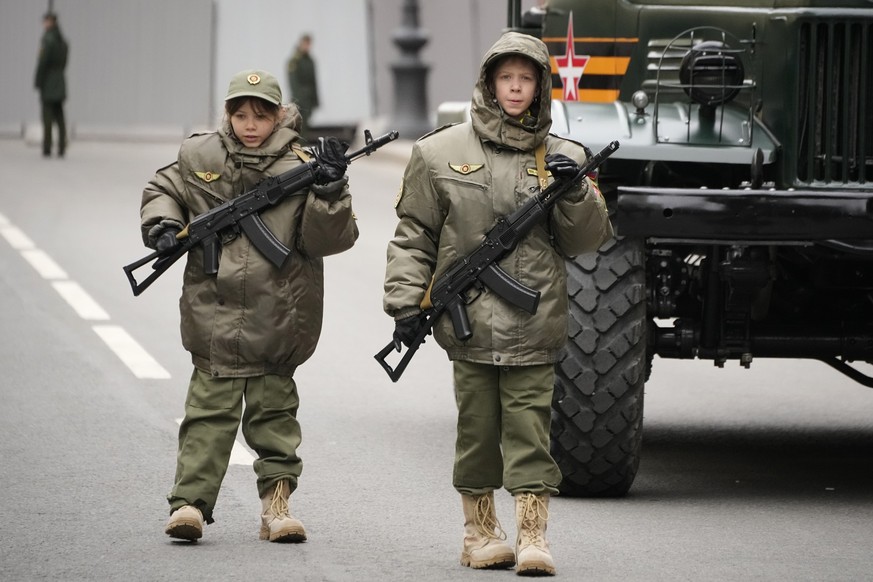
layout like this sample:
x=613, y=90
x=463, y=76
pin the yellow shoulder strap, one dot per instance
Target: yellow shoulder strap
x=301, y=153
x=540, y=155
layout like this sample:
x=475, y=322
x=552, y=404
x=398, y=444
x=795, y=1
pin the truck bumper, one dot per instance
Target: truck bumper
x=745, y=215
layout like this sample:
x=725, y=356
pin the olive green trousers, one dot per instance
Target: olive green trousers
x=213, y=410
x=504, y=417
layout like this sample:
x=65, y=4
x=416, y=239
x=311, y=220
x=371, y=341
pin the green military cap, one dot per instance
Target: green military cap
x=255, y=84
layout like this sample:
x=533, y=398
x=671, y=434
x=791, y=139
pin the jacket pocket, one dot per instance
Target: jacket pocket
x=205, y=198
x=448, y=185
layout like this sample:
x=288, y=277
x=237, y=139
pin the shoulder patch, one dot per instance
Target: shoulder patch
x=533, y=172
x=399, y=194
x=465, y=168
x=208, y=176
x=439, y=129
x=301, y=153
x=578, y=143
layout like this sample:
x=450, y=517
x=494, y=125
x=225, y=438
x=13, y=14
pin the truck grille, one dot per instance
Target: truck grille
x=835, y=94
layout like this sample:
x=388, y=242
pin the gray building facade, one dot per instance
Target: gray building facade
x=158, y=69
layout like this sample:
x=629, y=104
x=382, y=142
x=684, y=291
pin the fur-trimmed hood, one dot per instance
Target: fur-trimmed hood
x=489, y=120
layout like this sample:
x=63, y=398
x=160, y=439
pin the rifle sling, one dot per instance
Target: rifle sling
x=542, y=174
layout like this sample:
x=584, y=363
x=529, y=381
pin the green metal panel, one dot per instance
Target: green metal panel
x=809, y=78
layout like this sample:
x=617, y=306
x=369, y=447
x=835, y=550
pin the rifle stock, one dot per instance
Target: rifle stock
x=480, y=268
x=397, y=371
x=163, y=262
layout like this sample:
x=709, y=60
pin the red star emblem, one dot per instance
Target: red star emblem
x=571, y=67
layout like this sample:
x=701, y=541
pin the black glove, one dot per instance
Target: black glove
x=406, y=329
x=331, y=155
x=167, y=239
x=561, y=166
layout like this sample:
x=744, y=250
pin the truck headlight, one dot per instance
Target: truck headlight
x=711, y=73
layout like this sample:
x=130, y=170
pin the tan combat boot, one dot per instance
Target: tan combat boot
x=277, y=525
x=483, y=537
x=531, y=548
x=186, y=523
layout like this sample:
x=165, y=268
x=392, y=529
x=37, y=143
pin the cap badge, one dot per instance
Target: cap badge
x=253, y=79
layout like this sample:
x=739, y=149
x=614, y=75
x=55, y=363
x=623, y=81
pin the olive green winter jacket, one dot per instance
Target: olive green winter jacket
x=458, y=181
x=252, y=318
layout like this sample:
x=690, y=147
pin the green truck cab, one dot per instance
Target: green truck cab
x=742, y=197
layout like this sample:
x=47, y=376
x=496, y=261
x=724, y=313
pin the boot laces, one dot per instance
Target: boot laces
x=534, y=513
x=486, y=521
x=279, y=502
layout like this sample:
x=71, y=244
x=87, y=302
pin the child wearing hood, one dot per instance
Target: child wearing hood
x=459, y=180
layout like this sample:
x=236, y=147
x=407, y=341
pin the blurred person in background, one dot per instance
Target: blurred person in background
x=51, y=83
x=303, y=81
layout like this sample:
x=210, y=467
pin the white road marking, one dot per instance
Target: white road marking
x=79, y=300
x=119, y=341
x=239, y=455
x=131, y=353
x=44, y=264
x=15, y=237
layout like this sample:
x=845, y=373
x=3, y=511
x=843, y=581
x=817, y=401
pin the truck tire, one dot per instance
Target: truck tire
x=597, y=411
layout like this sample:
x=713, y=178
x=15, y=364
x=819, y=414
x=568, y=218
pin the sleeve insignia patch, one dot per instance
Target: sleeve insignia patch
x=592, y=182
x=598, y=195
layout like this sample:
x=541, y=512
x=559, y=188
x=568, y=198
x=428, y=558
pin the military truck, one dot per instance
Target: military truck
x=742, y=198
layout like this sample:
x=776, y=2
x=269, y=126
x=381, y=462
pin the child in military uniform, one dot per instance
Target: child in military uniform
x=249, y=326
x=458, y=181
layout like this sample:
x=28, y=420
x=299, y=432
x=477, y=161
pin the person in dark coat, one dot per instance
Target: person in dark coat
x=51, y=84
x=304, y=85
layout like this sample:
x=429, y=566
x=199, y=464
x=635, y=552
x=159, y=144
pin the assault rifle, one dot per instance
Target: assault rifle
x=479, y=268
x=243, y=213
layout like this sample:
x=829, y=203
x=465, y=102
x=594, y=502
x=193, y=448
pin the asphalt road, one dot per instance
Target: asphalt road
x=760, y=474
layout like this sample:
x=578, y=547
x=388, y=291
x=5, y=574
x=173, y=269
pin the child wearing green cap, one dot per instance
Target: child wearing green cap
x=249, y=326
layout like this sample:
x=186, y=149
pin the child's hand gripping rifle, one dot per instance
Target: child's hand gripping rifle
x=449, y=293
x=243, y=213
